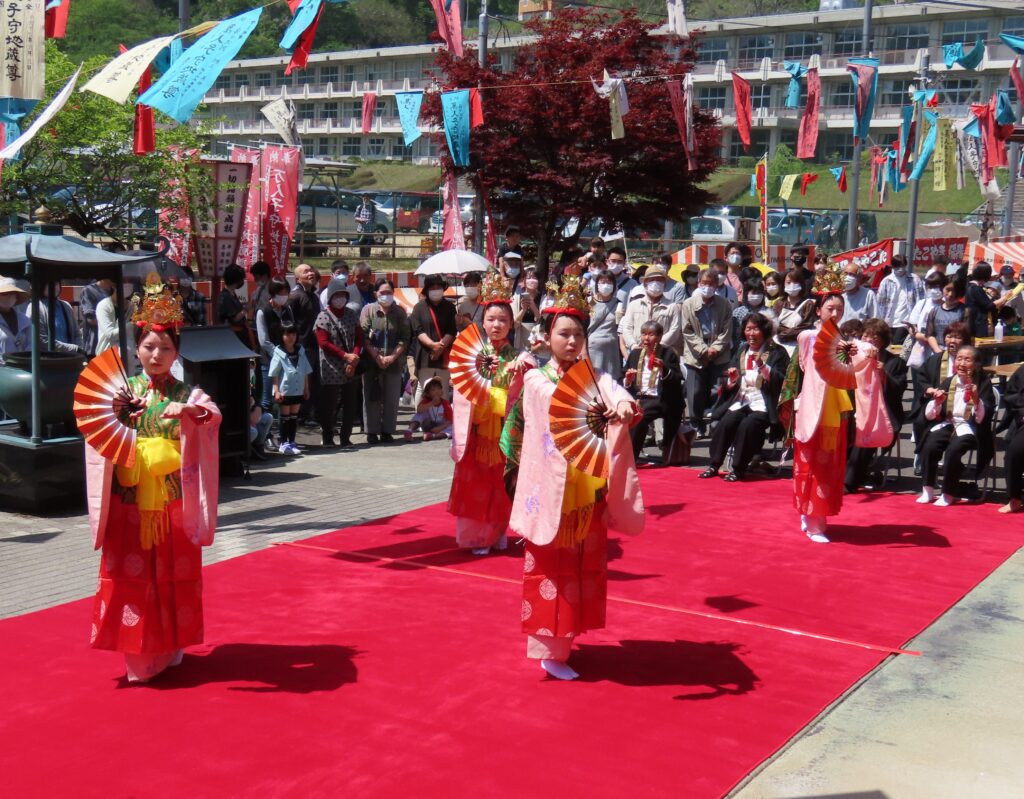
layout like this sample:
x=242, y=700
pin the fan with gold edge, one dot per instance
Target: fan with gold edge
x=832, y=364
x=577, y=421
x=468, y=364
x=102, y=397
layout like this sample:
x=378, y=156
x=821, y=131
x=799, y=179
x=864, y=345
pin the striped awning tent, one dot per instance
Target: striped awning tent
x=999, y=252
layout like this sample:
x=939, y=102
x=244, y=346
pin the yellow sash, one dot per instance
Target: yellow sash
x=577, y=506
x=837, y=402
x=155, y=458
x=488, y=420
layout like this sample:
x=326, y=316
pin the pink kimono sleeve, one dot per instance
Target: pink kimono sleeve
x=200, y=470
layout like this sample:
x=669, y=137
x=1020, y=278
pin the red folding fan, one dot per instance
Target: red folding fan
x=577, y=420
x=832, y=364
x=101, y=398
x=468, y=364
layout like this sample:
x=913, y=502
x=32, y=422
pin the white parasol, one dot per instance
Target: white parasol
x=453, y=262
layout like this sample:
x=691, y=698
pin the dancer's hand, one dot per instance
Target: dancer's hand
x=623, y=412
x=179, y=410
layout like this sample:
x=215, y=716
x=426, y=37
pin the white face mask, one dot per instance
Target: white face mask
x=512, y=271
x=435, y=295
x=654, y=288
x=472, y=292
x=616, y=268
x=793, y=288
x=337, y=303
x=280, y=299
x=385, y=299
x=771, y=290
x=935, y=294
x=185, y=282
x=735, y=258
x=341, y=280
x=900, y=272
x=532, y=283
x=849, y=283
x=755, y=299
x=707, y=291
x=605, y=289
x=721, y=280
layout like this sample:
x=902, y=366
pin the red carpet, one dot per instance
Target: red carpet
x=341, y=672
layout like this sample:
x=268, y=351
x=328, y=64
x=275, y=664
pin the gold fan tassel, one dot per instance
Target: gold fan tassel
x=578, y=503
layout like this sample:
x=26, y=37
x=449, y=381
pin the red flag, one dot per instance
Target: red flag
x=449, y=24
x=807, y=180
x=57, y=20
x=476, y=108
x=680, y=100
x=454, y=235
x=807, y=141
x=145, y=125
x=249, y=243
x=1018, y=81
x=492, y=237
x=842, y=180
x=369, y=109
x=300, y=55
x=281, y=172
x=744, y=110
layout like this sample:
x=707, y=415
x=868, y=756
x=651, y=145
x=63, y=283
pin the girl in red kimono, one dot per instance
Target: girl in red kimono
x=478, y=499
x=152, y=518
x=563, y=513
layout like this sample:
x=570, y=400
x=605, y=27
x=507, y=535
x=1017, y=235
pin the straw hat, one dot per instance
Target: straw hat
x=655, y=272
x=8, y=285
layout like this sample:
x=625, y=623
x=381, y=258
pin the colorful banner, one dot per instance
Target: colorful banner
x=928, y=146
x=184, y=85
x=864, y=74
x=454, y=235
x=796, y=71
x=409, y=114
x=872, y=257
x=24, y=71
x=42, y=120
x=249, y=241
x=117, y=80
x=12, y=111
x=455, y=106
x=945, y=155
x=839, y=173
x=744, y=110
x=174, y=223
x=786, y=188
x=807, y=138
x=761, y=176
x=304, y=14
x=369, y=109
x=281, y=176
x=280, y=113
x=217, y=236
x=449, y=24
x=57, y=18
x=948, y=250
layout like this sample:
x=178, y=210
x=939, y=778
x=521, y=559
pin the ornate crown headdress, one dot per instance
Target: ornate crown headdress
x=494, y=288
x=570, y=299
x=828, y=279
x=158, y=309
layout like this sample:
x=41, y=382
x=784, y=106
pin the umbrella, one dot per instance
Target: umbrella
x=453, y=262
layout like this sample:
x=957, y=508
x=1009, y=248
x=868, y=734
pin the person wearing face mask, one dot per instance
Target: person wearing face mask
x=193, y=304
x=690, y=277
x=898, y=293
x=67, y=337
x=526, y=307
x=340, y=343
x=774, y=296
x=797, y=312
x=706, y=330
x=675, y=291
x=720, y=268
x=511, y=267
x=15, y=326
x=624, y=283
x=469, y=311
x=651, y=307
x=386, y=336
x=753, y=302
x=434, y=329
x=339, y=276
x=275, y=313
x=858, y=300
x=230, y=310
x=603, y=330
x=951, y=309
x=737, y=256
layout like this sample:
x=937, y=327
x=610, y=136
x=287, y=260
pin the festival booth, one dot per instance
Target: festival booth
x=999, y=252
x=41, y=455
x=703, y=254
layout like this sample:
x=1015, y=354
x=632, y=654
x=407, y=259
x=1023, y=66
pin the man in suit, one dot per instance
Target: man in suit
x=706, y=328
x=654, y=378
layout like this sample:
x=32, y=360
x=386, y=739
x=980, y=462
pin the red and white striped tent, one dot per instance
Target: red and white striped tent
x=999, y=252
x=778, y=254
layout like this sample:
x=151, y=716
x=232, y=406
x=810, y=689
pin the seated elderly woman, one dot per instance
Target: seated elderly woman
x=654, y=378
x=894, y=369
x=750, y=402
x=937, y=368
x=960, y=418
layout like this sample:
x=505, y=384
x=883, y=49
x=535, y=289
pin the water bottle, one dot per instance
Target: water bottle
x=999, y=330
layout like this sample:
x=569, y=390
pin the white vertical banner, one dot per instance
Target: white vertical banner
x=23, y=23
x=281, y=114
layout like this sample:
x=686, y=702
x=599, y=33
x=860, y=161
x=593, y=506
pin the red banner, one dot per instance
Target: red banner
x=249, y=244
x=174, y=223
x=217, y=236
x=807, y=138
x=744, y=111
x=281, y=173
x=872, y=257
x=928, y=251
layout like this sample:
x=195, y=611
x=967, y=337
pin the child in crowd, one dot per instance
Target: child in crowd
x=433, y=414
x=289, y=371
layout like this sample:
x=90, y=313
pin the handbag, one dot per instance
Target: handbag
x=677, y=453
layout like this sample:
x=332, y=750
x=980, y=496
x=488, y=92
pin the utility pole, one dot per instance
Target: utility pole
x=183, y=15
x=478, y=218
x=915, y=184
x=852, y=219
x=1011, y=189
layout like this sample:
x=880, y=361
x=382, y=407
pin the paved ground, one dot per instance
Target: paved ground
x=944, y=725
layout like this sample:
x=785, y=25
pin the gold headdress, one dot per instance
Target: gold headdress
x=158, y=309
x=570, y=299
x=494, y=288
x=828, y=279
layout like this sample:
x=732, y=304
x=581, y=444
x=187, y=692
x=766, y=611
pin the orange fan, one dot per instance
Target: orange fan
x=470, y=372
x=101, y=395
x=577, y=420
x=833, y=365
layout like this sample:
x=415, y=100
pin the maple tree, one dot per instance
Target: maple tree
x=544, y=153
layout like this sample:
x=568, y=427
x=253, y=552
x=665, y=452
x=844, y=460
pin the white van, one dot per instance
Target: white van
x=329, y=215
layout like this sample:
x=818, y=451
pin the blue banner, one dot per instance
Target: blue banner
x=303, y=17
x=12, y=111
x=182, y=87
x=166, y=57
x=908, y=120
x=796, y=71
x=1015, y=43
x=409, y=114
x=973, y=58
x=928, y=147
x=862, y=121
x=456, y=124
x=1004, y=108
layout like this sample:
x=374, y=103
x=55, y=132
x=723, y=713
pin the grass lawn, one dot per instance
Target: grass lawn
x=395, y=176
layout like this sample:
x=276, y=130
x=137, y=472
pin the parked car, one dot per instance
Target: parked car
x=410, y=211
x=328, y=215
x=722, y=229
x=793, y=227
x=465, y=211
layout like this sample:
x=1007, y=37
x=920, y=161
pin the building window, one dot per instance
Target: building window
x=905, y=37
x=1013, y=26
x=350, y=145
x=241, y=79
x=223, y=82
x=307, y=77
x=895, y=92
x=712, y=51
x=348, y=74
x=399, y=150
x=375, y=147
x=711, y=97
x=329, y=112
x=264, y=80
x=848, y=42
x=754, y=48
x=961, y=91
x=802, y=45
x=964, y=30
x=306, y=112
x=284, y=80
x=413, y=70
x=842, y=94
x=308, y=146
x=328, y=74
x=761, y=95
x=759, y=140
x=382, y=105
x=323, y=147
x=836, y=146
x=353, y=110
